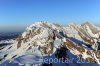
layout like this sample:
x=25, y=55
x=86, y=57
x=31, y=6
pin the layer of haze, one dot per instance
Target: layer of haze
x=17, y=14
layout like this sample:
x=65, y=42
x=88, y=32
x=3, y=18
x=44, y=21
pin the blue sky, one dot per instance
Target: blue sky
x=20, y=13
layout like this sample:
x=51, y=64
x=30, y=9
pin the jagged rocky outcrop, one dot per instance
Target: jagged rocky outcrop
x=81, y=40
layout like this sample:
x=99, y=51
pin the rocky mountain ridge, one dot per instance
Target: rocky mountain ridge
x=81, y=40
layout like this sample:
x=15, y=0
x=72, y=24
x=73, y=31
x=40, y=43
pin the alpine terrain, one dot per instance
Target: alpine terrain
x=48, y=44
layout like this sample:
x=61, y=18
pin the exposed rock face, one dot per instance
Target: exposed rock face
x=45, y=36
x=90, y=55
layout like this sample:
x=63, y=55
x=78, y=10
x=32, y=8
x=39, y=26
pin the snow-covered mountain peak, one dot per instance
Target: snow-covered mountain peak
x=42, y=24
x=45, y=38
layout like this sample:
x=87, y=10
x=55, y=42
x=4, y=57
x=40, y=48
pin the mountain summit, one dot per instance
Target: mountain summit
x=43, y=39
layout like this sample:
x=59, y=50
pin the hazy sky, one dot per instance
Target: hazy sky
x=19, y=13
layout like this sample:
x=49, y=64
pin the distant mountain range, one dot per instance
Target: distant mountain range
x=9, y=35
x=80, y=42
